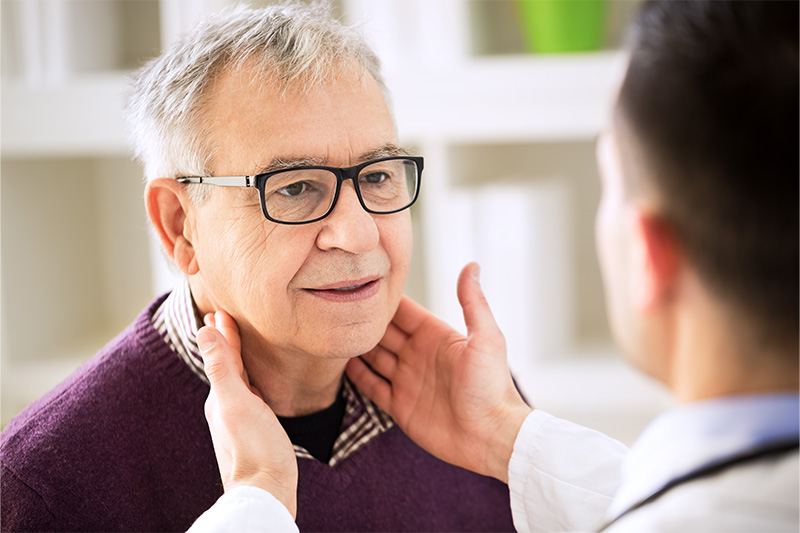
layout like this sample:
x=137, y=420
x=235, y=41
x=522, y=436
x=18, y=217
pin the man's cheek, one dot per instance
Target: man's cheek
x=398, y=242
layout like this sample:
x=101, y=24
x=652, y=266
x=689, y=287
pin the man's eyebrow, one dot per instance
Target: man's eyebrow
x=283, y=163
x=389, y=150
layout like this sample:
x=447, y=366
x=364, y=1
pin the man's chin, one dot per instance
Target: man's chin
x=354, y=344
x=348, y=352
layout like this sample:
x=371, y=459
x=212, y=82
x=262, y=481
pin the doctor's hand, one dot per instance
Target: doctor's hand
x=452, y=395
x=250, y=444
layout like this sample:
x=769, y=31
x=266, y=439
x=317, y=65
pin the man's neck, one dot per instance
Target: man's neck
x=292, y=384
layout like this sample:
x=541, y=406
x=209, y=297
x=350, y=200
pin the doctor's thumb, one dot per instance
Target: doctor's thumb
x=477, y=314
x=217, y=365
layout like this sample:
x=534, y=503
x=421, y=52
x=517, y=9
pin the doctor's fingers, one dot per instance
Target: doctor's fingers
x=410, y=316
x=394, y=339
x=375, y=387
x=226, y=325
x=382, y=361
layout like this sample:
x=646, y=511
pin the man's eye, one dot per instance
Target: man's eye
x=374, y=178
x=294, y=189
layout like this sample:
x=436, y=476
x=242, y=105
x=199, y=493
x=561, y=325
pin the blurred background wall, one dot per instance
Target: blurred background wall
x=505, y=118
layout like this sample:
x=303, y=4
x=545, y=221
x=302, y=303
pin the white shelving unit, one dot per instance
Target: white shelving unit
x=76, y=251
x=509, y=181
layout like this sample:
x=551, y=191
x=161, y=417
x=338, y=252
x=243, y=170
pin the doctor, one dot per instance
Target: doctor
x=697, y=236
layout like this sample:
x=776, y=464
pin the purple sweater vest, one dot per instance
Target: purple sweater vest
x=122, y=445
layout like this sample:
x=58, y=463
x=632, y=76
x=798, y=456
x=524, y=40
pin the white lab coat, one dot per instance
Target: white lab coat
x=562, y=476
x=565, y=477
x=245, y=509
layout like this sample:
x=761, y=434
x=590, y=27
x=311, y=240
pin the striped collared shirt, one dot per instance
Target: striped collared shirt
x=177, y=320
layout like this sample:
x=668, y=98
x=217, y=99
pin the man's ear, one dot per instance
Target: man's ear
x=168, y=206
x=656, y=256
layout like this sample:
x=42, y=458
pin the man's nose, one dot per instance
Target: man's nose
x=348, y=227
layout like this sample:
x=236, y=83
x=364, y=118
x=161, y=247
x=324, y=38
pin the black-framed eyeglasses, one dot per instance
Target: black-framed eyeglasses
x=302, y=195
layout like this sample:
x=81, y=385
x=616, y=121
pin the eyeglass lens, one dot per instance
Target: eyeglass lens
x=307, y=194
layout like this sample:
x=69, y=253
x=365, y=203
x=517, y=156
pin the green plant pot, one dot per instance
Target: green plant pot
x=555, y=26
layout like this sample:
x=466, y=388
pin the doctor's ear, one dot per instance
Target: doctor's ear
x=656, y=256
x=168, y=206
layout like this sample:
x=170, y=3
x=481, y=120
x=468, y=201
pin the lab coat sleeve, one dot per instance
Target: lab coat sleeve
x=245, y=509
x=562, y=476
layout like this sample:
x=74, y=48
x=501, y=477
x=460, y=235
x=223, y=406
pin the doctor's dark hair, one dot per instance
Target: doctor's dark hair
x=296, y=43
x=710, y=100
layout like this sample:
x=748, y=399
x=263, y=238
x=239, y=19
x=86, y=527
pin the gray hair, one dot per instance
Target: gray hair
x=298, y=44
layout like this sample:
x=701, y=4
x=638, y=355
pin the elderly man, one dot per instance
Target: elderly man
x=277, y=186
x=698, y=243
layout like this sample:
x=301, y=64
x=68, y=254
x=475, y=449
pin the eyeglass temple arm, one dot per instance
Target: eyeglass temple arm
x=221, y=181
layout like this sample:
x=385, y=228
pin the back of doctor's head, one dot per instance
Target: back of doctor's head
x=709, y=104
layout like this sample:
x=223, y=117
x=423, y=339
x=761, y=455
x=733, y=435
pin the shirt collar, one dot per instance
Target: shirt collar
x=178, y=320
x=689, y=437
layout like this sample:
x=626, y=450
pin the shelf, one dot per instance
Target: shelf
x=504, y=99
x=510, y=98
x=45, y=41
x=80, y=117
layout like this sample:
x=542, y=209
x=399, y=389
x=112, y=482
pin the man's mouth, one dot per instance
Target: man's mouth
x=354, y=287
x=348, y=291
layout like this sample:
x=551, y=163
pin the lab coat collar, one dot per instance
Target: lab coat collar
x=695, y=435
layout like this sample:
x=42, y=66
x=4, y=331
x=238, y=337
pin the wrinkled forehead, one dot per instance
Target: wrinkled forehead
x=252, y=120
